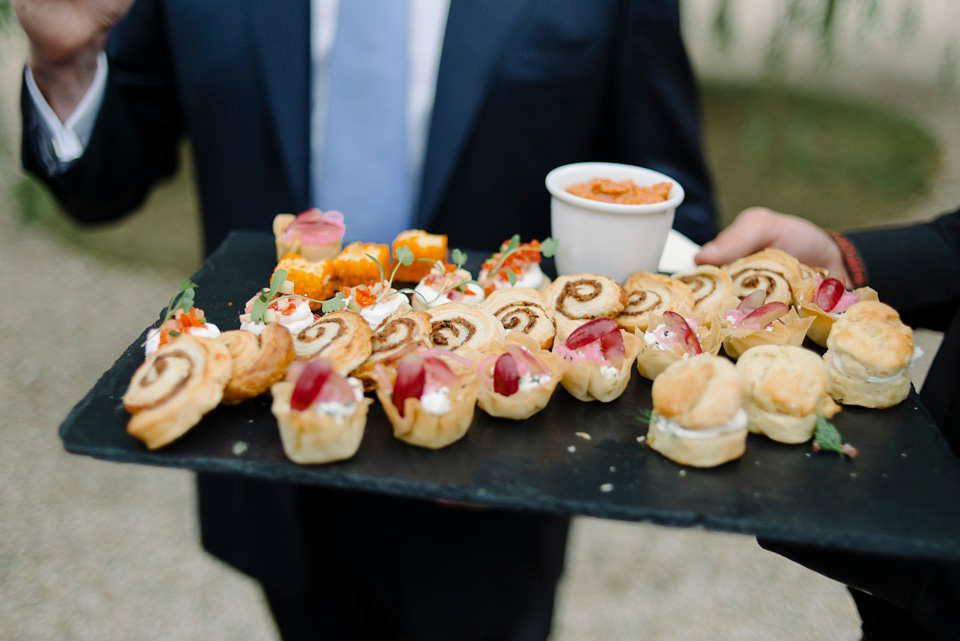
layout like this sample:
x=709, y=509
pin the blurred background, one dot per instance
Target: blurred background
x=846, y=112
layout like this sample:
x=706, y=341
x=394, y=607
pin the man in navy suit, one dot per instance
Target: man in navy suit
x=521, y=86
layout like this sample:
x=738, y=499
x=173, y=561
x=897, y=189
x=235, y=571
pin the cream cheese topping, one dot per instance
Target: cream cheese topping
x=735, y=424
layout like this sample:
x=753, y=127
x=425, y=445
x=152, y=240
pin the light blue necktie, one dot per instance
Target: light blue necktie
x=365, y=173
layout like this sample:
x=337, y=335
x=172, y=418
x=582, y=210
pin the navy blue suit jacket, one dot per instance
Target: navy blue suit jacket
x=523, y=86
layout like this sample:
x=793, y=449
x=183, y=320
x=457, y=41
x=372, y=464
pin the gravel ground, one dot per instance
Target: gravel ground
x=95, y=550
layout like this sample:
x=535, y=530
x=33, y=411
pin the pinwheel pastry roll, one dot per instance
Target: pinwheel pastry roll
x=868, y=357
x=522, y=309
x=712, y=289
x=174, y=387
x=426, y=402
x=316, y=235
x=784, y=391
x=671, y=337
x=466, y=330
x=397, y=335
x=756, y=322
x=257, y=361
x=825, y=299
x=343, y=337
x=648, y=293
x=601, y=357
x=518, y=381
x=697, y=419
x=575, y=299
x=774, y=271
x=321, y=414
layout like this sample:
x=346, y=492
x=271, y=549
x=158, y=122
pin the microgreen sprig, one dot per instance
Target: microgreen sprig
x=827, y=437
x=266, y=296
x=183, y=299
x=548, y=248
x=404, y=257
x=644, y=415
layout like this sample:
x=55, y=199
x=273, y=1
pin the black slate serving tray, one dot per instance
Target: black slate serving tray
x=898, y=496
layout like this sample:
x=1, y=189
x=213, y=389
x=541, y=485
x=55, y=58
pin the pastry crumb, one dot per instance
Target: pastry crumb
x=571, y=448
x=239, y=448
x=683, y=472
x=584, y=436
x=606, y=487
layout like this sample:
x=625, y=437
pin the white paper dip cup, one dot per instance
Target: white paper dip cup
x=608, y=239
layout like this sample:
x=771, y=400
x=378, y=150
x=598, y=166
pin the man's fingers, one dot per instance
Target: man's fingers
x=752, y=230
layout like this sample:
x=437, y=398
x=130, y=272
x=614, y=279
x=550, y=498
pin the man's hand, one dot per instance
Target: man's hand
x=65, y=37
x=757, y=228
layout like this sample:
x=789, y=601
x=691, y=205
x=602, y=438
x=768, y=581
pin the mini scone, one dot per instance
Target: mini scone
x=522, y=309
x=445, y=283
x=601, y=356
x=321, y=415
x=712, y=289
x=774, y=271
x=575, y=299
x=667, y=341
x=755, y=322
x=697, y=419
x=519, y=381
x=825, y=299
x=258, y=361
x=174, y=387
x=342, y=337
x=648, y=293
x=466, y=330
x=426, y=402
x=784, y=391
x=313, y=234
x=397, y=335
x=868, y=356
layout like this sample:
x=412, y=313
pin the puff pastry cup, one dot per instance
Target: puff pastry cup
x=772, y=270
x=343, y=337
x=712, y=289
x=442, y=412
x=257, y=361
x=314, y=234
x=697, y=419
x=326, y=430
x=469, y=331
x=868, y=356
x=661, y=348
x=823, y=320
x=535, y=383
x=523, y=309
x=787, y=330
x=575, y=299
x=648, y=293
x=784, y=390
x=174, y=387
x=592, y=376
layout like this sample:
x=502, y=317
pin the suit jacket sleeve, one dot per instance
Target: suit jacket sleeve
x=135, y=137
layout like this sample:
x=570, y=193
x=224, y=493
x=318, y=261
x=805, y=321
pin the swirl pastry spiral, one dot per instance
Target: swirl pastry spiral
x=175, y=387
x=344, y=337
x=522, y=309
x=398, y=334
x=772, y=270
x=712, y=289
x=577, y=298
x=648, y=293
x=257, y=361
x=468, y=330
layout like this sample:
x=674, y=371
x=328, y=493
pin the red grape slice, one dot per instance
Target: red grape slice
x=439, y=371
x=309, y=384
x=828, y=294
x=688, y=338
x=336, y=390
x=752, y=301
x=411, y=379
x=765, y=315
x=523, y=356
x=591, y=331
x=506, y=380
x=611, y=346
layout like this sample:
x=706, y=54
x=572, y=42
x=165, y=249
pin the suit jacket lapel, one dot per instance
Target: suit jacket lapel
x=281, y=33
x=474, y=35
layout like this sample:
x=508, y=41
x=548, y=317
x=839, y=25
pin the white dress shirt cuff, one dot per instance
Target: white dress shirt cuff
x=70, y=138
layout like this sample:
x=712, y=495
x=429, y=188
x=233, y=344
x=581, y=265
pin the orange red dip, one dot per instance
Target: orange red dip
x=625, y=192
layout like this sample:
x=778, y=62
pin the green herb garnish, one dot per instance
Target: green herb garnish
x=183, y=299
x=645, y=415
x=458, y=257
x=827, y=437
x=334, y=304
x=266, y=296
x=548, y=247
